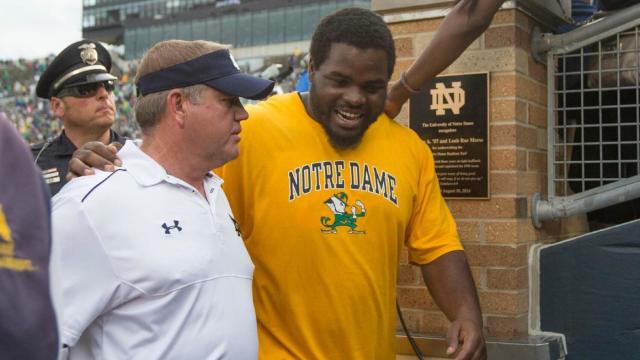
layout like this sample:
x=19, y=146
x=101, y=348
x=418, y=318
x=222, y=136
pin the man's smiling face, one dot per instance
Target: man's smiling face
x=348, y=91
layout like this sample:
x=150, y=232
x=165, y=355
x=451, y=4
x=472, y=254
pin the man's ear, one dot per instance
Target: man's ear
x=311, y=69
x=177, y=106
x=57, y=106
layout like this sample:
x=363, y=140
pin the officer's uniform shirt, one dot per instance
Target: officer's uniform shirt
x=53, y=159
x=149, y=269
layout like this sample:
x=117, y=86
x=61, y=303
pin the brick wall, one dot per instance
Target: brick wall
x=496, y=233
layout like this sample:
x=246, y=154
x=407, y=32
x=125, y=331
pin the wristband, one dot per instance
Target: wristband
x=403, y=81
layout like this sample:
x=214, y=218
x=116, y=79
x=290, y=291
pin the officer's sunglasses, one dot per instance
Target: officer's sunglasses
x=87, y=90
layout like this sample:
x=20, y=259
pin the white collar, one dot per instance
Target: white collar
x=147, y=172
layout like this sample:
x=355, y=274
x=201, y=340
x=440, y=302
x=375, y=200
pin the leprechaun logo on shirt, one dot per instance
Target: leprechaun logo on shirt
x=343, y=214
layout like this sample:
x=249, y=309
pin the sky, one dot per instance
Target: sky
x=36, y=28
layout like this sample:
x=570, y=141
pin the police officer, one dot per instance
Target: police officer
x=79, y=88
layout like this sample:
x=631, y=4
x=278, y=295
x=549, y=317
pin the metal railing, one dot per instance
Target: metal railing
x=593, y=115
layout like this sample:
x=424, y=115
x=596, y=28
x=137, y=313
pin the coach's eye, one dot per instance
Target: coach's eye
x=229, y=102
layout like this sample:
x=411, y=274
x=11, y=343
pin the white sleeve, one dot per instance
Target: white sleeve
x=85, y=280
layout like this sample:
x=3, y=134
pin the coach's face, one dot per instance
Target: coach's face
x=348, y=91
x=214, y=126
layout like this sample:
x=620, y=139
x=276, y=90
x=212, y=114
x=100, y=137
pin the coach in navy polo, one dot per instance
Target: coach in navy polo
x=152, y=265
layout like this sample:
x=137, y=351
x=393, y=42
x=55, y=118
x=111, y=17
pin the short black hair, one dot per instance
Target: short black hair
x=356, y=27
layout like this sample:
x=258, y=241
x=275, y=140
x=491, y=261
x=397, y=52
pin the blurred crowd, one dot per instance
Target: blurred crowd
x=32, y=116
x=35, y=121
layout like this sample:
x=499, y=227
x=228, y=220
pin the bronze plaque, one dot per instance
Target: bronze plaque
x=451, y=114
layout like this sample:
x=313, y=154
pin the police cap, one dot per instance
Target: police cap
x=83, y=62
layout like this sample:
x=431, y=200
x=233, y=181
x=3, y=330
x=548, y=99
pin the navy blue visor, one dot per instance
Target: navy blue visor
x=216, y=69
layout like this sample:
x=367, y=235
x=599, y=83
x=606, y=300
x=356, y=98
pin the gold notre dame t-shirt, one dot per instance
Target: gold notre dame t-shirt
x=325, y=229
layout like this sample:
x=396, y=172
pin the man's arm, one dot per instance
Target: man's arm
x=464, y=23
x=94, y=154
x=85, y=295
x=451, y=286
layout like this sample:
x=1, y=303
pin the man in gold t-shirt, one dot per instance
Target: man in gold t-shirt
x=327, y=191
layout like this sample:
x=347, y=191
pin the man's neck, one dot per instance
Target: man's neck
x=162, y=149
x=306, y=101
x=79, y=138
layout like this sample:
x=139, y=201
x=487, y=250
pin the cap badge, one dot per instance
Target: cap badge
x=89, y=55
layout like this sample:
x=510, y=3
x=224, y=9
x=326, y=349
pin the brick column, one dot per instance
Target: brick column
x=496, y=233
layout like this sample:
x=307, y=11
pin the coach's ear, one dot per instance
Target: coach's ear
x=177, y=107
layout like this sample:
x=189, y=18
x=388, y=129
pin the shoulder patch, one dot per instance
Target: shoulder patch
x=51, y=176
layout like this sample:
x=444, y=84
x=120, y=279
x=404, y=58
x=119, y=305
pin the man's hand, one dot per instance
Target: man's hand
x=466, y=341
x=94, y=154
x=451, y=286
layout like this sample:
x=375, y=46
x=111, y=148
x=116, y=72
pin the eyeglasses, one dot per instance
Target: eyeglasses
x=87, y=90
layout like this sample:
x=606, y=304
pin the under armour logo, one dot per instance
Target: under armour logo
x=235, y=223
x=443, y=98
x=167, y=228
